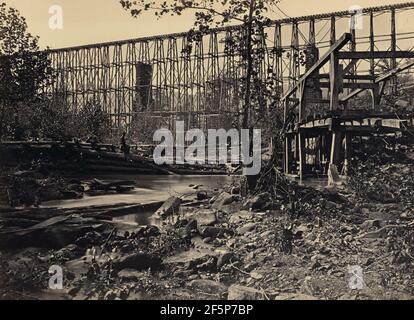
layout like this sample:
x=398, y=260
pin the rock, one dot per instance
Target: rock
x=68, y=194
x=202, y=195
x=169, y=207
x=380, y=233
x=138, y=261
x=110, y=295
x=370, y=224
x=237, y=292
x=266, y=234
x=231, y=243
x=204, y=217
x=49, y=194
x=222, y=200
x=316, y=265
x=213, y=232
x=256, y=275
x=76, y=187
x=146, y=231
x=333, y=175
x=190, y=229
x=129, y=274
x=257, y=202
x=208, y=286
x=238, y=217
x=235, y=190
x=191, y=225
x=368, y=261
x=89, y=239
x=73, y=291
x=224, y=259
x=246, y=228
x=188, y=259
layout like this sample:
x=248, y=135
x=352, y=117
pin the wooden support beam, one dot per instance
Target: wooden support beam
x=365, y=77
x=348, y=152
x=376, y=55
x=309, y=100
x=375, y=93
x=381, y=81
x=322, y=61
x=334, y=84
x=351, y=85
x=336, y=147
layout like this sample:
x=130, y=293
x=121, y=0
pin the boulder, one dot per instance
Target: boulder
x=240, y=216
x=248, y=227
x=208, y=286
x=258, y=201
x=371, y=224
x=202, y=195
x=169, y=207
x=204, y=217
x=224, y=259
x=237, y=292
x=146, y=231
x=213, y=232
x=138, y=261
x=129, y=274
x=222, y=200
x=235, y=190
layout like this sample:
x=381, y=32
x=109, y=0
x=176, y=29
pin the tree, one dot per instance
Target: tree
x=24, y=69
x=253, y=17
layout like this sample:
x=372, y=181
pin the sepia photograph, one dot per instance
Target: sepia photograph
x=183, y=151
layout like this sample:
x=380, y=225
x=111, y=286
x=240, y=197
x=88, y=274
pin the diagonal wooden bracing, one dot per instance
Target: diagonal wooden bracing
x=202, y=77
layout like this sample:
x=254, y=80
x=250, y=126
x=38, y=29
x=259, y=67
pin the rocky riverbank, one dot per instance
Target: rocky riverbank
x=354, y=241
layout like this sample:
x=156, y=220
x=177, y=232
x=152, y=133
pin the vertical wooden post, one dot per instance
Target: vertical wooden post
x=348, y=151
x=376, y=99
x=333, y=31
x=372, y=43
x=334, y=82
x=336, y=147
x=302, y=155
x=288, y=154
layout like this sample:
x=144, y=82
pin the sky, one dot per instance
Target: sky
x=95, y=21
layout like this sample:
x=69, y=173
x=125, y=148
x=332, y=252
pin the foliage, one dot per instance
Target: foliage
x=247, y=43
x=24, y=70
x=93, y=121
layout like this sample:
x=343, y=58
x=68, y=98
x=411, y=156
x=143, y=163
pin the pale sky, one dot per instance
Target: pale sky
x=93, y=21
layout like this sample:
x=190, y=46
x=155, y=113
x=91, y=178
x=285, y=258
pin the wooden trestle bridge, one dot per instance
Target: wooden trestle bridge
x=318, y=137
x=319, y=65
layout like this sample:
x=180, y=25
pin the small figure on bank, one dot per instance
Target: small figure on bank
x=125, y=148
x=93, y=140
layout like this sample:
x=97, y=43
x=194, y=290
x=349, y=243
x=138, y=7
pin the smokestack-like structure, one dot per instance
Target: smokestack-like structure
x=143, y=87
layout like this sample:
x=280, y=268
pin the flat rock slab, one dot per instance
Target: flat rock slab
x=169, y=207
x=241, y=216
x=189, y=256
x=237, y=292
x=208, y=286
x=204, y=217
